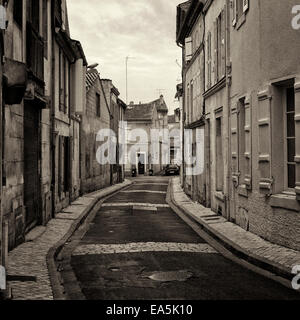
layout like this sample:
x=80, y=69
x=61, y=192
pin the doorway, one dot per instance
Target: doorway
x=141, y=157
x=31, y=165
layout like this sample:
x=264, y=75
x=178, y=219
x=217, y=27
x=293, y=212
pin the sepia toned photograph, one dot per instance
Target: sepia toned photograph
x=150, y=153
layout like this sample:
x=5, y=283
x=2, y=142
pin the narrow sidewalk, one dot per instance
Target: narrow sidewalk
x=250, y=247
x=27, y=264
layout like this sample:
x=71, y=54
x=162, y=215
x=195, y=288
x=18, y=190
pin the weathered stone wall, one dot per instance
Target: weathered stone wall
x=94, y=176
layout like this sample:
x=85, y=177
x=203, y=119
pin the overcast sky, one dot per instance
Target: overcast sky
x=110, y=30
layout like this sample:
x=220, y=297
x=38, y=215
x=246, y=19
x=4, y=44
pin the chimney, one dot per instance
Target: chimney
x=161, y=99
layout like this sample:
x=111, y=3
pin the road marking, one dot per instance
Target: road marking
x=131, y=204
x=143, y=191
x=91, y=249
x=151, y=184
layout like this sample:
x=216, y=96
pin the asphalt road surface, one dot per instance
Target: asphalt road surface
x=138, y=248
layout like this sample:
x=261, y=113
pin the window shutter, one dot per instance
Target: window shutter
x=248, y=146
x=234, y=12
x=234, y=145
x=264, y=133
x=59, y=165
x=297, y=123
x=216, y=51
x=245, y=5
x=223, y=44
x=188, y=49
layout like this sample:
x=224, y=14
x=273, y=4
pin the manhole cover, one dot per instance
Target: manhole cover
x=114, y=269
x=169, y=276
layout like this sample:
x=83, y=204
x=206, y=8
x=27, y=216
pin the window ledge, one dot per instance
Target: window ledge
x=285, y=201
x=220, y=195
x=243, y=191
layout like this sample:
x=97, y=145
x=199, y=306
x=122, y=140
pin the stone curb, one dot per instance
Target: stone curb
x=57, y=289
x=234, y=248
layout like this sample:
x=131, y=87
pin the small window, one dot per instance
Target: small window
x=219, y=156
x=290, y=138
x=18, y=12
x=98, y=105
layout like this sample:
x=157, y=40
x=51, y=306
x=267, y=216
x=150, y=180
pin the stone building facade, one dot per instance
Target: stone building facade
x=117, y=110
x=26, y=182
x=96, y=116
x=251, y=112
x=141, y=150
x=190, y=33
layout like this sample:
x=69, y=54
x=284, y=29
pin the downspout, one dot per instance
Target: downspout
x=182, y=118
x=228, y=85
x=52, y=133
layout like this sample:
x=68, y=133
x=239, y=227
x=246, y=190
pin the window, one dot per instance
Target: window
x=242, y=138
x=33, y=14
x=290, y=138
x=192, y=102
x=64, y=85
x=18, y=12
x=220, y=64
x=219, y=156
x=98, y=105
x=209, y=60
x=188, y=101
x=45, y=27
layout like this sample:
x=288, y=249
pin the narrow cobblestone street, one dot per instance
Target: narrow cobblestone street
x=138, y=248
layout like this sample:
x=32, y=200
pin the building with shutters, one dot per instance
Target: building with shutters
x=68, y=102
x=96, y=116
x=190, y=34
x=174, y=127
x=142, y=150
x=26, y=120
x=42, y=92
x=265, y=120
x=251, y=108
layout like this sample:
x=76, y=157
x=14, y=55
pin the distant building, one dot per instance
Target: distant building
x=153, y=115
x=175, y=143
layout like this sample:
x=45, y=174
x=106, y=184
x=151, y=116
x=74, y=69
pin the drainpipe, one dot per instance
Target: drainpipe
x=228, y=91
x=52, y=127
x=182, y=118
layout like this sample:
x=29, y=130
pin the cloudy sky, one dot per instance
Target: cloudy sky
x=110, y=30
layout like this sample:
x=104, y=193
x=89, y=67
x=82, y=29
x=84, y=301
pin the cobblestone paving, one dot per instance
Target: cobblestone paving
x=29, y=259
x=131, y=204
x=92, y=249
x=143, y=191
x=247, y=241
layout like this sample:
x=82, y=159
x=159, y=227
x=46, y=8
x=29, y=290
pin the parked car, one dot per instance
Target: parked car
x=172, y=169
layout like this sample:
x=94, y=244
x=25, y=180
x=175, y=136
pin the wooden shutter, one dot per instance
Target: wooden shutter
x=223, y=44
x=248, y=146
x=245, y=5
x=209, y=60
x=265, y=146
x=234, y=12
x=59, y=164
x=216, y=51
x=188, y=49
x=297, y=125
x=234, y=145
